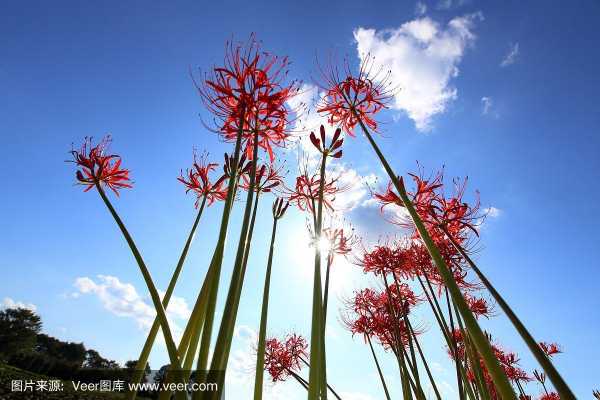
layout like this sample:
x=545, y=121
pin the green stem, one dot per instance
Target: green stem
x=224, y=337
x=214, y=271
x=559, y=383
x=145, y=354
x=385, y=389
x=160, y=311
x=317, y=357
x=260, y=352
x=483, y=346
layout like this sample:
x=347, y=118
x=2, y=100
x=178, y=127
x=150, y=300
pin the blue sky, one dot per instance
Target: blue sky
x=523, y=127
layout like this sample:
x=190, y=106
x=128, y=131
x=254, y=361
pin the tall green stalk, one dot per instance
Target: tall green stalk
x=145, y=354
x=559, y=383
x=160, y=311
x=278, y=211
x=385, y=389
x=225, y=335
x=214, y=270
x=317, y=357
x=483, y=346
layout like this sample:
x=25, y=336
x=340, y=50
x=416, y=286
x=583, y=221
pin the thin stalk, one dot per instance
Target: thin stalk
x=504, y=387
x=410, y=339
x=316, y=372
x=559, y=383
x=260, y=352
x=455, y=348
x=424, y=360
x=160, y=311
x=337, y=396
x=143, y=358
x=214, y=270
x=326, y=290
x=224, y=337
x=399, y=343
x=385, y=389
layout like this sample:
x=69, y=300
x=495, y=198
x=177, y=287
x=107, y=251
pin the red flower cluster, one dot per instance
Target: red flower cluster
x=550, y=349
x=196, y=180
x=408, y=259
x=438, y=212
x=248, y=95
x=509, y=362
x=282, y=358
x=550, y=396
x=379, y=314
x=306, y=192
x=355, y=98
x=478, y=306
x=98, y=167
x=339, y=243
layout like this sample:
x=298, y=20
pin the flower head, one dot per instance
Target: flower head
x=550, y=349
x=306, y=192
x=99, y=168
x=379, y=314
x=196, y=179
x=357, y=98
x=550, y=396
x=248, y=96
x=283, y=357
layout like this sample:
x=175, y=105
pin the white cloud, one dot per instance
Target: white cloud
x=7, y=302
x=448, y=4
x=422, y=57
x=444, y=4
x=308, y=120
x=492, y=212
x=511, y=56
x=420, y=8
x=356, y=187
x=486, y=103
x=123, y=300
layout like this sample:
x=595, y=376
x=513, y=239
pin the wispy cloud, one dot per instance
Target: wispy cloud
x=7, y=302
x=122, y=299
x=423, y=57
x=492, y=212
x=420, y=8
x=511, y=56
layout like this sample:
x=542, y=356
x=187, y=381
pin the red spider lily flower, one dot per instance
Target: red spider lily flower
x=338, y=241
x=550, y=349
x=282, y=358
x=508, y=362
x=268, y=177
x=196, y=180
x=379, y=315
x=100, y=168
x=306, y=192
x=441, y=215
x=332, y=149
x=353, y=98
x=478, y=306
x=423, y=198
x=248, y=94
x=550, y=396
